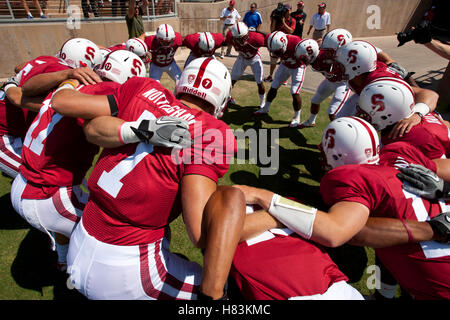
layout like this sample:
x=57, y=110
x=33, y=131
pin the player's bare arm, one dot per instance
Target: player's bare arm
x=45, y=82
x=214, y=217
x=258, y=222
x=14, y=95
x=347, y=222
x=72, y=103
x=195, y=193
x=343, y=221
x=384, y=57
x=424, y=98
x=386, y=232
x=103, y=131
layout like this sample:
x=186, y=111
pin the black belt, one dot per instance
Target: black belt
x=319, y=30
x=233, y=24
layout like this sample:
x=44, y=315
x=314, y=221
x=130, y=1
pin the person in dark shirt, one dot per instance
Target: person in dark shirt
x=135, y=24
x=300, y=16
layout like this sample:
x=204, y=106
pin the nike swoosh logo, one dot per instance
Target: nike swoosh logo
x=162, y=121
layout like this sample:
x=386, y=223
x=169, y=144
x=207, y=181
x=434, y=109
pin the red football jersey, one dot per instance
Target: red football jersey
x=15, y=121
x=279, y=264
x=288, y=58
x=431, y=136
x=191, y=42
x=42, y=64
x=135, y=189
x=251, y=46
x=381, y=71
x=55, y=151
x=422, y=269
x=323, y=64
x=120, y=46
x=163, y=56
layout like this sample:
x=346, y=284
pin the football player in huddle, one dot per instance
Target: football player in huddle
x=330, y=85
x=56, y=155
x=357, y=62
x=247, y=44
x=361, y=187
x=395, y=100
x=18, y=92
x=284, y=46
x=202, y=44
x=129, y=229
x=162, y=48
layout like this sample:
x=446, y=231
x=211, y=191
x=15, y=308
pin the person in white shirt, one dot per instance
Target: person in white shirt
x=321, y=21
x=229, y=16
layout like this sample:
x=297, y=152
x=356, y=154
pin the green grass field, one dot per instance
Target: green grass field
x=26, y=263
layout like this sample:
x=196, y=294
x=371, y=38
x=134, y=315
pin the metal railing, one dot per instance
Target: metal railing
x=12, y=11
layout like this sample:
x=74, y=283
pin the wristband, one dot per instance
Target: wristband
x=63, y=86
x=421, y=108
x=296, y=216
x=73, y=84
x=9, y=85
x=126, y=135
x=408, y=231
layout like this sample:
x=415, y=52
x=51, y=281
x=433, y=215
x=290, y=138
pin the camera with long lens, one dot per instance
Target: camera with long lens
x=279, y=12
x=422, y=33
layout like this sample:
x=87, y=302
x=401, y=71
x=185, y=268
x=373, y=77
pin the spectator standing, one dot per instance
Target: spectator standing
x=134, y=21
x=253, y=18
x=85, y=7
x=38, y=7
x=300, y=16
x=320, y=21
x=229, y=16
x=284, y=23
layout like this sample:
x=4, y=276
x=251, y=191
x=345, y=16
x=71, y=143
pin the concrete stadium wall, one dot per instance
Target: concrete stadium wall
x=24, y=41
x=357, y=16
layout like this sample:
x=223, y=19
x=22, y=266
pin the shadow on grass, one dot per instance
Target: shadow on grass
x=34, y=267
x=10, y=219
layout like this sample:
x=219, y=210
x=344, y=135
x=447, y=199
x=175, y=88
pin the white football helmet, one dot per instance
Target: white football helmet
x=357, y=57
x=307, y=51
x=207, y=79
x=385, y=101
x=206, y=43
x=349, y=140
x=104, y=52
x=165, y=34
x=240, y=32
x=277, y=43
x=335, y=39
x=80, y=52
x=138, y=47
x=121, y=65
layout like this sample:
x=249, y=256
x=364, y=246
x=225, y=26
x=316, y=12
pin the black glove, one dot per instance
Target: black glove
x=164, y=132
x=423, y=182
x=399, y=69
x=441, y=226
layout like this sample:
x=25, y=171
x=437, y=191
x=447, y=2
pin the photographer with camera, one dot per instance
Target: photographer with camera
x=321, y=21
x=280, y=20
x=424, y=33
